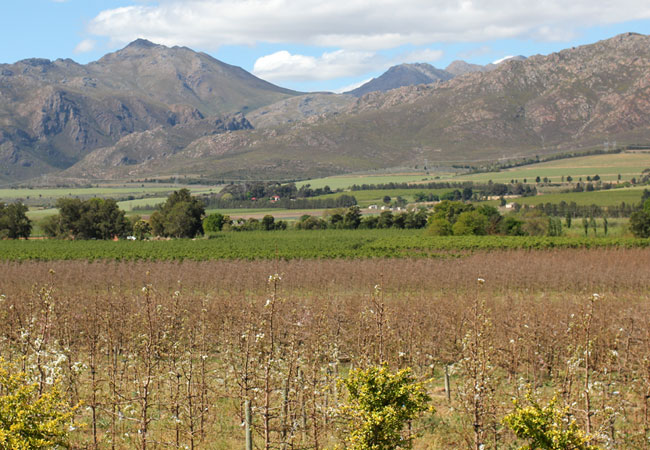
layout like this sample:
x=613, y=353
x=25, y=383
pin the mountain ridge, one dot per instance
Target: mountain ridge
x=53, y=113
x=566, y=101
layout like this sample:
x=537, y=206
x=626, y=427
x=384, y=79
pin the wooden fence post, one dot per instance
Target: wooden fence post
x=249, y=434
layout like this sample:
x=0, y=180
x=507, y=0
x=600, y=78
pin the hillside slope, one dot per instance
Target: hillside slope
x=570, y=100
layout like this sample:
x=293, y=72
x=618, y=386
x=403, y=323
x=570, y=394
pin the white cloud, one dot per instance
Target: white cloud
x=285, y=66
x=425, y=55
x=352, y=86
x=356, y=24
x=84, y=46
x=500, y=60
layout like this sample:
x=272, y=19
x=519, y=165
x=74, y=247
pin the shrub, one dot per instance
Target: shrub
x=29, y=420
x=440, y=227
x=546, y=427
x=470, y=222
x=379, y=405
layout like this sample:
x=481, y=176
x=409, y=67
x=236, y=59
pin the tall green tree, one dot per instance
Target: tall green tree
x=14, y=223
x=181, y=216
x=640, y=221
x=470, y=223
x=215, y=222
x=352, y=218
x=95, y=218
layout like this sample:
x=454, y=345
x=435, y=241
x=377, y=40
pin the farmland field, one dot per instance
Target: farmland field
x=600, y=198
x=608, y=167
x=48, y=196
x=164, y=354
x=346, y=181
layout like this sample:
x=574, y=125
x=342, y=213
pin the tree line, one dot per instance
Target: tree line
x=462, y=188
x=225, y=202
x=183, y=216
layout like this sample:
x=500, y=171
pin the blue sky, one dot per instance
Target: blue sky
x=311, y=45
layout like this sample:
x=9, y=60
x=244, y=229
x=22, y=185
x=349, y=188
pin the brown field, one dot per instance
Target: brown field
x=163, y=355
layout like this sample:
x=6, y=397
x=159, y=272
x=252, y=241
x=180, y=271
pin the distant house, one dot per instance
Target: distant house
x=274, y=198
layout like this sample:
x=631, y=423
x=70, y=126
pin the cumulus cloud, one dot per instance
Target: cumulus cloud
x=356, y=24
x=285, y=66
x=84, y=46
x=425, y=55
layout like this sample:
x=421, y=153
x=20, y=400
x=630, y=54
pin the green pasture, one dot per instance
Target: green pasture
x=616, y=228
x=608, y=167
x=346, y=181
x=146, y=193
x=600, y=198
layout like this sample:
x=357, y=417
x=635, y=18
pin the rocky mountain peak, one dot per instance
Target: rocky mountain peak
x=403, y=75
x=142, y=43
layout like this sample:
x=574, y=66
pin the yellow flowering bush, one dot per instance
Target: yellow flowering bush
x=546, y=427
x=29, y=420
x=379, y=405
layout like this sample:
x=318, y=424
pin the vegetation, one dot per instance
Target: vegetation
x=14, y=223
x=180, y=216
x=171, y=352
x=546, y=427
x=640, y=221
x=298, y=244
x=87, y=219
x=31, y=418
x=379, y=405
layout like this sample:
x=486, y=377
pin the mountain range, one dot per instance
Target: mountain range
x=422, y=73
x=149, y=110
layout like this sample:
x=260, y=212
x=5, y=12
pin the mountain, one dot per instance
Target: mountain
x=458, y=67
x=53, y=113
x=298, y=108
x=164, y=114
x=566, y=101
x=402, y=75
x=422, y=73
